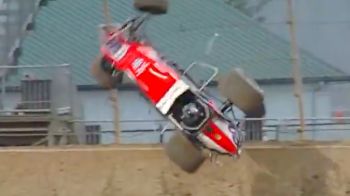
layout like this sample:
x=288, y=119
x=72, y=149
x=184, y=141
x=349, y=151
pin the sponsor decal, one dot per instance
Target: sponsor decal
x=139, y=65
x=121, y=52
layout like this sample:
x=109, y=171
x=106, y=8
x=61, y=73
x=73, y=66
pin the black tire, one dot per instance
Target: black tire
x=152, y=6
x=184, y=153
x=258, y=112
x=243, y=92
x=103, y=75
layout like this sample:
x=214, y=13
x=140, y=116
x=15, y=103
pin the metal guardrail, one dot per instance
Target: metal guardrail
x=268, y=122
x=273, y=128
x=11, y=111
x=149, y=131
x=33, y=66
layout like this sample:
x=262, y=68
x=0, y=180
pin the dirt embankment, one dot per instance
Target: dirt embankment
x=304, y=171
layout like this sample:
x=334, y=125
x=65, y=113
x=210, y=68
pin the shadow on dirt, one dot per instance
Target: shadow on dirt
x=290, y=172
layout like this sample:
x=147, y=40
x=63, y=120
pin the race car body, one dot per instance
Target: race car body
x=142, y=64
x=199, y=123
x=173, y=97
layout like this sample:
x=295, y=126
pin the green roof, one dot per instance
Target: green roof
x=66, y=32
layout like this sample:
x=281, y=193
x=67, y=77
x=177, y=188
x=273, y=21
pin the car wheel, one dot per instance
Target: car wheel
x=103, y=75
x=152, y=6
x=184, y=153
x=243, y=92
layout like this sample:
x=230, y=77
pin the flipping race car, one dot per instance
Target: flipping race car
x=200, y=124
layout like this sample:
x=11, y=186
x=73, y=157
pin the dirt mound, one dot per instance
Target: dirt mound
x=111, y=171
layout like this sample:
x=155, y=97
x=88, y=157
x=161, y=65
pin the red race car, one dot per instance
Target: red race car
x=200, y=124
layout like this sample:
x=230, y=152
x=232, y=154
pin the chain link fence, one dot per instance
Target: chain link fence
x=37, y=102
x=38, y=106
x=317, y=129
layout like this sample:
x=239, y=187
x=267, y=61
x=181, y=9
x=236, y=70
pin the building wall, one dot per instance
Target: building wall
x=133, y=107
x=279, y=100
x=280, y=103
x=11, y=100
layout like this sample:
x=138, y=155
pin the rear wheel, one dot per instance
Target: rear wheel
x=184, y=153
x=152, y=6
x=102, y=72
x=243, y=92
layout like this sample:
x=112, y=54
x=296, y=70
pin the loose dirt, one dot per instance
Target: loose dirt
x=271, y=170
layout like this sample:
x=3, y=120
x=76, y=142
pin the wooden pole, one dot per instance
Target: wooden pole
x=114, y=99
x=107, y=16
x=298, y=83
x=3, y=89
x=113, y=92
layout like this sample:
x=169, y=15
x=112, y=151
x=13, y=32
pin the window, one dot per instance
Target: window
x=93, y=134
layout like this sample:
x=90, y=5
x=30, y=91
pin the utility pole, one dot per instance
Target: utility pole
x=114, y=100
x=3, y=93
x=107, y=16
x=298, y=83
x=113, y=92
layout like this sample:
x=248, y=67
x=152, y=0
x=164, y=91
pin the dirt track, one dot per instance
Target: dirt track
x=111, y=171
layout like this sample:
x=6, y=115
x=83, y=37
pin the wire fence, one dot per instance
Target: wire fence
x=283, y=129
x=36, y=107
x=84, y=132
